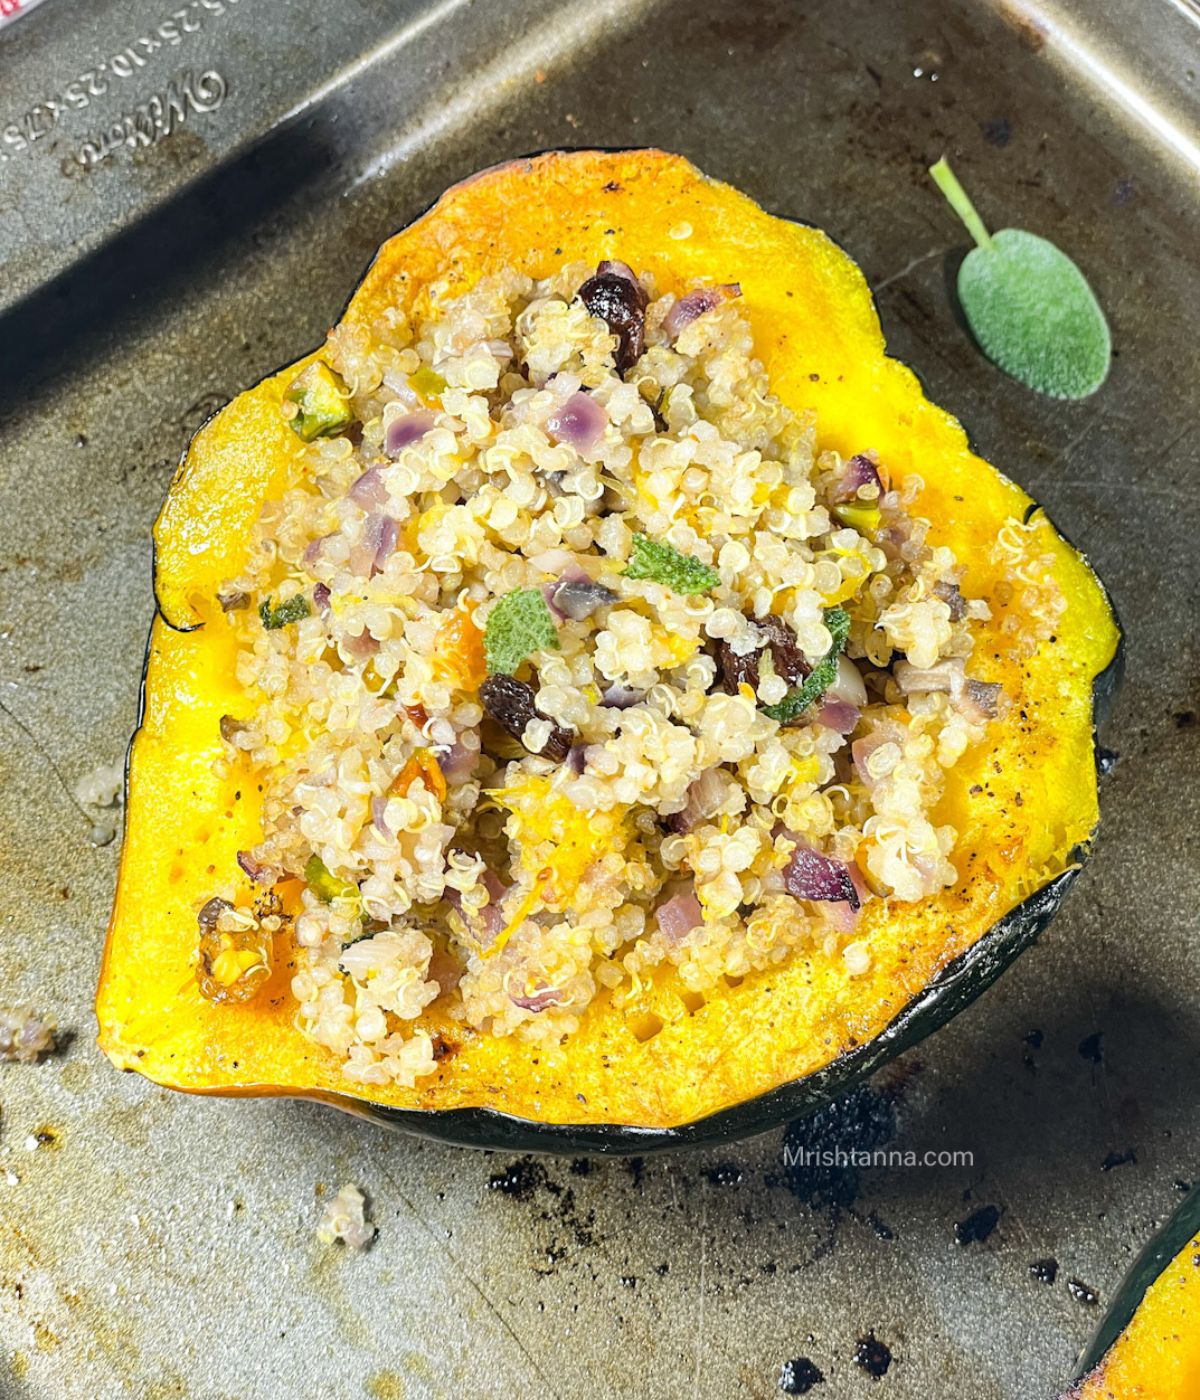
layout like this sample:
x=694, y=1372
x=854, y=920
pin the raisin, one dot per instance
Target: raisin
x=621, y=304
x=510, y=703
x=737, y=670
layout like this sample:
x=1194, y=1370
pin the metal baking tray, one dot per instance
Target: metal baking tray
x=186, y=198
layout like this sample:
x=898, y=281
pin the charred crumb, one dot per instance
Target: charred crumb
x=977, y=1226
x=1185, y=719
x=519, y=1180
x=1091, y=1047
x=581, y=1166
x=1119, y=1159
x=636, y=1167
x=1044, y=1270
x=725, y=1174
x=1082, y=1293
x=881, y=1229
x=798, y=1376
x=1034, y=1039
x=1106, y=761
x=872, y=1356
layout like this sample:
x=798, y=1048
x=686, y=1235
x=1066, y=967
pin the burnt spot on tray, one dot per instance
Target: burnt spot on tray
x=1082, y=1293
x=997, y=132
x=1118, y=1159
x=872, y=1356
x=819, y=1151
x=1091, y=1047
x=798, y=1376
x=1044, y=1270
x=977, y=1226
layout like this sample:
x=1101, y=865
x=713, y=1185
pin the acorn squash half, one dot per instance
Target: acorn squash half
x=1148, y=1346
x=777, y=1044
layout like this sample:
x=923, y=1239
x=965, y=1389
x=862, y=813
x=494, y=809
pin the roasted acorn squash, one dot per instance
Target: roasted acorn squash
x=1148, y=1346
x=777, y=1044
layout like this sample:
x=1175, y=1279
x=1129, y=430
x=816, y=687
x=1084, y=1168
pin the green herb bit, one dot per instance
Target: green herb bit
x=290, y=610
x=327, y=887
x=662, y=563
x=1029, y=306
x=519, y=624
x=820, y=678
x=321, y=402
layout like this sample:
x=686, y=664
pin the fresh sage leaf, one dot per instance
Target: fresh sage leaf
x=1028, y=305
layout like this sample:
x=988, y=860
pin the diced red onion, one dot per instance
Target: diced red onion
x=577, y=758
x=982, y=697
x=862, y=749
x=457, y=762
x=839, y=716
x=578, y=597
x=580, y=423
x=403, y=432
x=256, y=870
x=312, y=550
x=539, y=1001
x=704, y=797
x=379, y=536
x=691, y=307
x=369, y=489
x=678, y=915
x=360, y=645
x=444, y=967
x=859, y=471
x=554, y=561
x=321, y=596
x=621, y=697
x=811, y=875
x=978, y=700
x=379, y=815
x=618, y=269
x=951, y=594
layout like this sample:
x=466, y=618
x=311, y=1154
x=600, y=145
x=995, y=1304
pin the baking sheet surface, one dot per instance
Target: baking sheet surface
x=154, y=1245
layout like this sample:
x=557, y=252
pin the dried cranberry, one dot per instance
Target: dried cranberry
x=510, y=703
x=621, y=304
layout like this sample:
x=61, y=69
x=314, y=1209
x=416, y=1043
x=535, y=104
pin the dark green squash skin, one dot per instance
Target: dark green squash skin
x=955, y=987
x=1159, y=1252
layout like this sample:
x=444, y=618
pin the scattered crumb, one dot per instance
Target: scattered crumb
x=344, y=1218
x=103, y=786
x=25, y=1037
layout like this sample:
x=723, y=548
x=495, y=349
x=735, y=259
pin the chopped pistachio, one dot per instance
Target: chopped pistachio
x=427, y=382
x=317, y=403
x=326, y=885
x=862, y=516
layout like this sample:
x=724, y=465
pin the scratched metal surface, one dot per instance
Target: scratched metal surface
x=153, y=1245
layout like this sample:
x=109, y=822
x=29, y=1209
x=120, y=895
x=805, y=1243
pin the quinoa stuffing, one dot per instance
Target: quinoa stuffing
x=566, y=654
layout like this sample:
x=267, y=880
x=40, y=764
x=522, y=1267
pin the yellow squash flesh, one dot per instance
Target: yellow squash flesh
x=817, y=332
x=1157, y=1356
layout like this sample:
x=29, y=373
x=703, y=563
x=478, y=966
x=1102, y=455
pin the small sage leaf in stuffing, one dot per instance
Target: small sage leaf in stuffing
x=822, y=676
x=290, y=610
x=663, y=563
x=519, y=624
x=1028, y=305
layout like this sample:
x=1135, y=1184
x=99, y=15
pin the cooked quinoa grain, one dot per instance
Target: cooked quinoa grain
x=567, y=655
